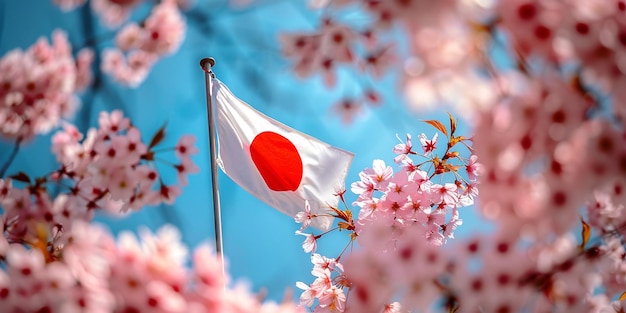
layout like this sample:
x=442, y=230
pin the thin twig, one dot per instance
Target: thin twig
x=7, y=163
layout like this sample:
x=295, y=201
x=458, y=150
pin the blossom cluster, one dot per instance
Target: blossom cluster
x=533, y=188
x=589, y=34
x=484, y=273
x=545, y=127
x=117, y=166
x=331, y=46
x=38, y=86
x=96, y=273
x=335, y=44
x=448, y=47
x=138, y=45
x=410, y=196
x=549, y=134
x=399, y=214
x=111, y=169
x=436, y=53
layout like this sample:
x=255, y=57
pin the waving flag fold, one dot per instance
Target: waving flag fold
x=275, y=163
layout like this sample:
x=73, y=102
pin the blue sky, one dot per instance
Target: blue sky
x=259, y=241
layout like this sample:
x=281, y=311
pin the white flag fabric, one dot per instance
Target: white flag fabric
x=275, y=163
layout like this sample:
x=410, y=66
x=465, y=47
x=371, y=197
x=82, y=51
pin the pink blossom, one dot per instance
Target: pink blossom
x=323, y=263
x=285, y=307
x=84, y=75
x=433, y=234
x=310, y=243
x=400, y=187
x=428, y=145
x=348, y=109
x=323, y=281
x=368, y=207
x=139, y=64
x=164, y=246
x=109, y=166
x=468, y=196
x=168, y=194
x=113, y=122
x=160, y=297
x=131, y=71
x=604, y=214
x=186, y=146
x=121, y=183
x=378, y=61
x=447, y=193
x=394, y=307
x=164, y=29
x=450, y=227
x=336, y=41
x=303, y=47
x=364, y=188
x=24, y=264
x=68, y=5
x=113, y=13
x=143, y=196
x=403, y=149
x=531, y=25
x=38, y=86
x=186, y=167
x=321, y=51
x=135, y=148
x=332, y=300
x=5, y=187
x=304, y=217
x=207, y=268
x=308, y=295
x=472, y=167
x=140, y=46
x=379, y=174
x=129, y=37
x=112, y=60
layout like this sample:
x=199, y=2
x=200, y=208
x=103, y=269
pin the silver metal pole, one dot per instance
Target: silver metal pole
x=207, y=64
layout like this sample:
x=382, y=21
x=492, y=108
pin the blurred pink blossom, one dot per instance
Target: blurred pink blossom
x=38, y=86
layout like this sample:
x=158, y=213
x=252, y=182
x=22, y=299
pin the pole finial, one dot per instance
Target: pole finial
x=207, y=63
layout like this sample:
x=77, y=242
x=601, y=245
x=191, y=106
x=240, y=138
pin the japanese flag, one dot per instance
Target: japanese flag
x=275, y=163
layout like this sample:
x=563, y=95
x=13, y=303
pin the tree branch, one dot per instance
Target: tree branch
x=8, y=162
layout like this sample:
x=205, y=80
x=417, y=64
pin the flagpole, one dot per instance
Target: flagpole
x=207, y=64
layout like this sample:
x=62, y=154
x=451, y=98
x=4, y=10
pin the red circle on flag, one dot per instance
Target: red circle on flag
x=278, y=161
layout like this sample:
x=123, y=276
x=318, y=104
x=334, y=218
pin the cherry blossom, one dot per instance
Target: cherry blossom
x=348, y=109
x=428, y=145
x=404, y=219
x=99, y=274
x=113, y=12
x=38, y=86
x=310, y=243
x=304, y=217
x=403, y=149
x=139, y=43
x=326, y=289
x=140, y=46
x=110, y=169
x=69, y=4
